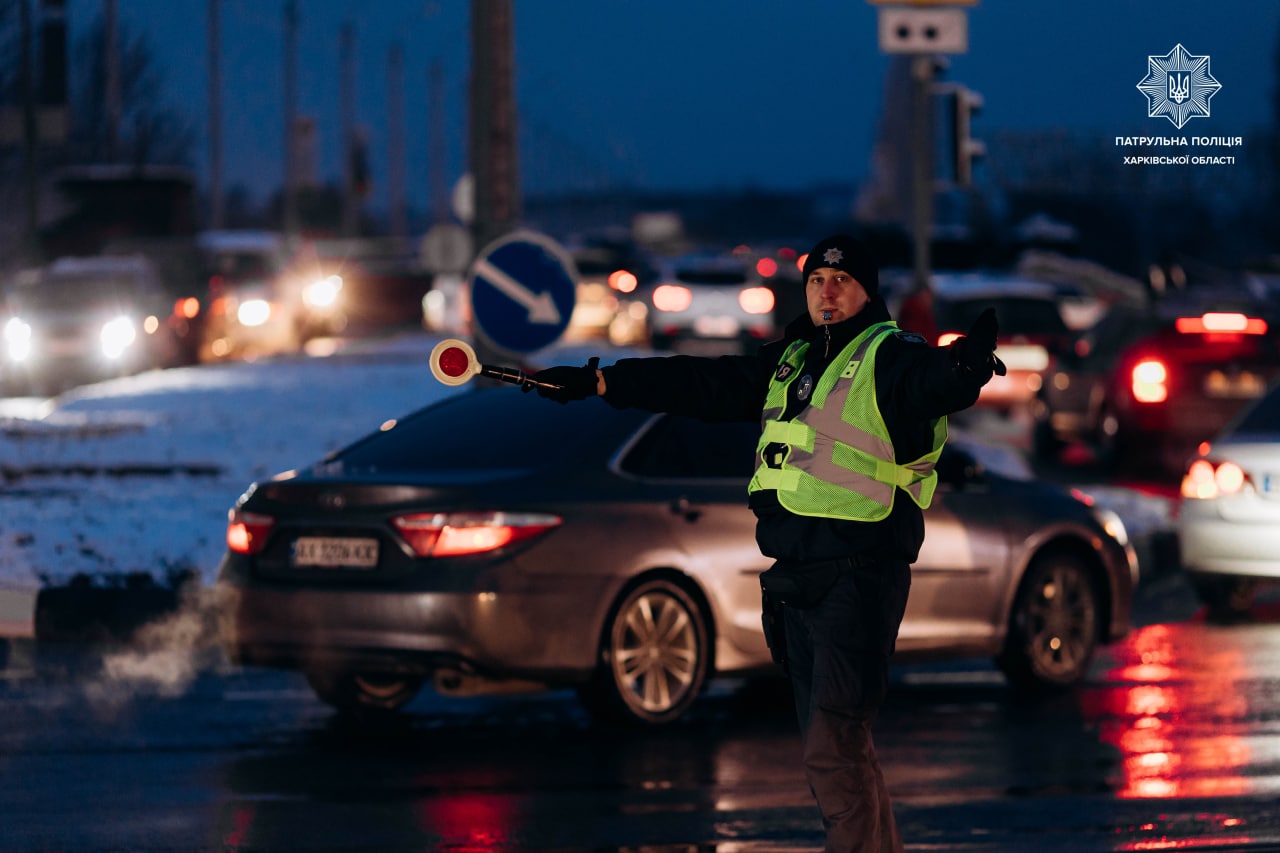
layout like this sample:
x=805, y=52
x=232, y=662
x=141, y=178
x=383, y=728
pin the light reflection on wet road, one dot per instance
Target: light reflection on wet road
x=1173, y=744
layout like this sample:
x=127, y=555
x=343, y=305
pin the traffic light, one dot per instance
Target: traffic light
x=965, y=149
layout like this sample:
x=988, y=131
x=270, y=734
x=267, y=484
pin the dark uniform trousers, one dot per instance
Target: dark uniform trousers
x=838, y=659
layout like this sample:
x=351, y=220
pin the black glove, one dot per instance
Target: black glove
x=575, y=383
x=975, y=352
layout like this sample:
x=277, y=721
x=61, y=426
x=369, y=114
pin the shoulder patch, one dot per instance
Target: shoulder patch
x=910, y=337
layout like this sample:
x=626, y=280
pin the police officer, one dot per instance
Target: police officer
x=854, y=418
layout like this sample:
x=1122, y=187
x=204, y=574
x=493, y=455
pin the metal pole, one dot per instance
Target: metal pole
x=439, y=195
x=347, y=97
x=217, y=203
x=922, y=70
x=493, y=143
x=30, y=136
x=290, y=118
x=399, y=225
x=111, y=61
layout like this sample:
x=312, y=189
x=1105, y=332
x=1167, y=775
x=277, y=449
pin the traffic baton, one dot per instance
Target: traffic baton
x=454, y=362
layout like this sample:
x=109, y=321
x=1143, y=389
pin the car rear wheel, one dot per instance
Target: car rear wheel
x=1053, y=629
x=356, y=692
x=654, y=656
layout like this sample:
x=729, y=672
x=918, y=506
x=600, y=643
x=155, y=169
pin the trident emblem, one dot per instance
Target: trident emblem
x=1178, y=86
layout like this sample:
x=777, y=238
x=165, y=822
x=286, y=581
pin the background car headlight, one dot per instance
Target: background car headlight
x=322, y=293
x=17, y=339
x=117, y=336
x=253, y=312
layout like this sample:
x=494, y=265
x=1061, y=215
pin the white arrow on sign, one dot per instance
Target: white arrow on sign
x=542, y=308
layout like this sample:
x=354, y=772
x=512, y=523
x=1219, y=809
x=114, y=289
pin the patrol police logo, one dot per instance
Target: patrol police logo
x=833, y=256
x=806, y=386
x=911, y=337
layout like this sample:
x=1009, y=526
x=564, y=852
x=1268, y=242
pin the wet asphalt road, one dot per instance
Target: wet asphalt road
x=1173, y=743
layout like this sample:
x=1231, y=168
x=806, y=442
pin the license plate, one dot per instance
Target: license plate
x=1024, y=357
x=716, y=327
x=334, y=552
x=1244, y=385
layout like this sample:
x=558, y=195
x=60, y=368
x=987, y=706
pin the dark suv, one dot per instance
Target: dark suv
x=1143, y=387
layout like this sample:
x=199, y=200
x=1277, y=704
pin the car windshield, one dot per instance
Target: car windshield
x=63, y=291
x=1016, y=315
x=243, y=265
x=711, y=277
x=490, y=429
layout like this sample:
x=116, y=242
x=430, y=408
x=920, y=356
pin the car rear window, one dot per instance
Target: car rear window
x=711, y=277
x=684, y=448
x=1015, y=315
x=1263, y=417
x=492, y=429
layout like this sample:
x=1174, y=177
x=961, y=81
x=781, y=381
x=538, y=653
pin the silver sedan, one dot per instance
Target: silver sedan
x=492, y=542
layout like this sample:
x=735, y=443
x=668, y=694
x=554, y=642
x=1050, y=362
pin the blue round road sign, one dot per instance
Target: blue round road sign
x=523, y=287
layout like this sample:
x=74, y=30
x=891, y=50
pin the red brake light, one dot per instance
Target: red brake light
x=460, y=533
x=623, y=280
x=767, y=267
x=1148, y=381
x=1221, y=323
x=247, y=531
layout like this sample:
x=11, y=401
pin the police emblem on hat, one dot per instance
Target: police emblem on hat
x=833, y=255
x=806, y=386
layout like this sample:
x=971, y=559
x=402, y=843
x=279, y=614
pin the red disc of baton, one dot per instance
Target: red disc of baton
x=454, y=362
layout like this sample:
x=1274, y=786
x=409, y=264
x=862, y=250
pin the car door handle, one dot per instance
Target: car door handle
x=682, y=506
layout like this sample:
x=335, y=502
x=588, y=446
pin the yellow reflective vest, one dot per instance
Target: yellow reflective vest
x=837, y=459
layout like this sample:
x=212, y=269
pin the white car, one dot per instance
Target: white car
x=709, y=304
x=82, y=319
x=1229, y=522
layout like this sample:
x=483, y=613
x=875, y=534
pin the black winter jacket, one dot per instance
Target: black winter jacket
x=915, y=383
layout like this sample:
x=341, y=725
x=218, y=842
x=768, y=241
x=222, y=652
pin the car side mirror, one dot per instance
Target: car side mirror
x=957, y=468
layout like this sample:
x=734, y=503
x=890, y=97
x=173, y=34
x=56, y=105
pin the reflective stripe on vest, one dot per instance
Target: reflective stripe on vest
x=839, y=460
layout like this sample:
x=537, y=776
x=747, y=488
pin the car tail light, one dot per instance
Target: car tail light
x=623, y=281
x=767, y=267
x=672, y=297
x=947, y=337
x=1206, y=479
x=1221, y=323
x=187, y=307
x=756, y=300
x=247, y=531
x=1149, y=381
x=459, y=533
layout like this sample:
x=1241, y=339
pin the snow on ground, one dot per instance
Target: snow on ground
x=137, y=474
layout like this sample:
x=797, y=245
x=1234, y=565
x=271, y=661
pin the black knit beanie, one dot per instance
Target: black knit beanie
x=842, y=252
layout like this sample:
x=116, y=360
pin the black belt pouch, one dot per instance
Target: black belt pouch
x=801, y=585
